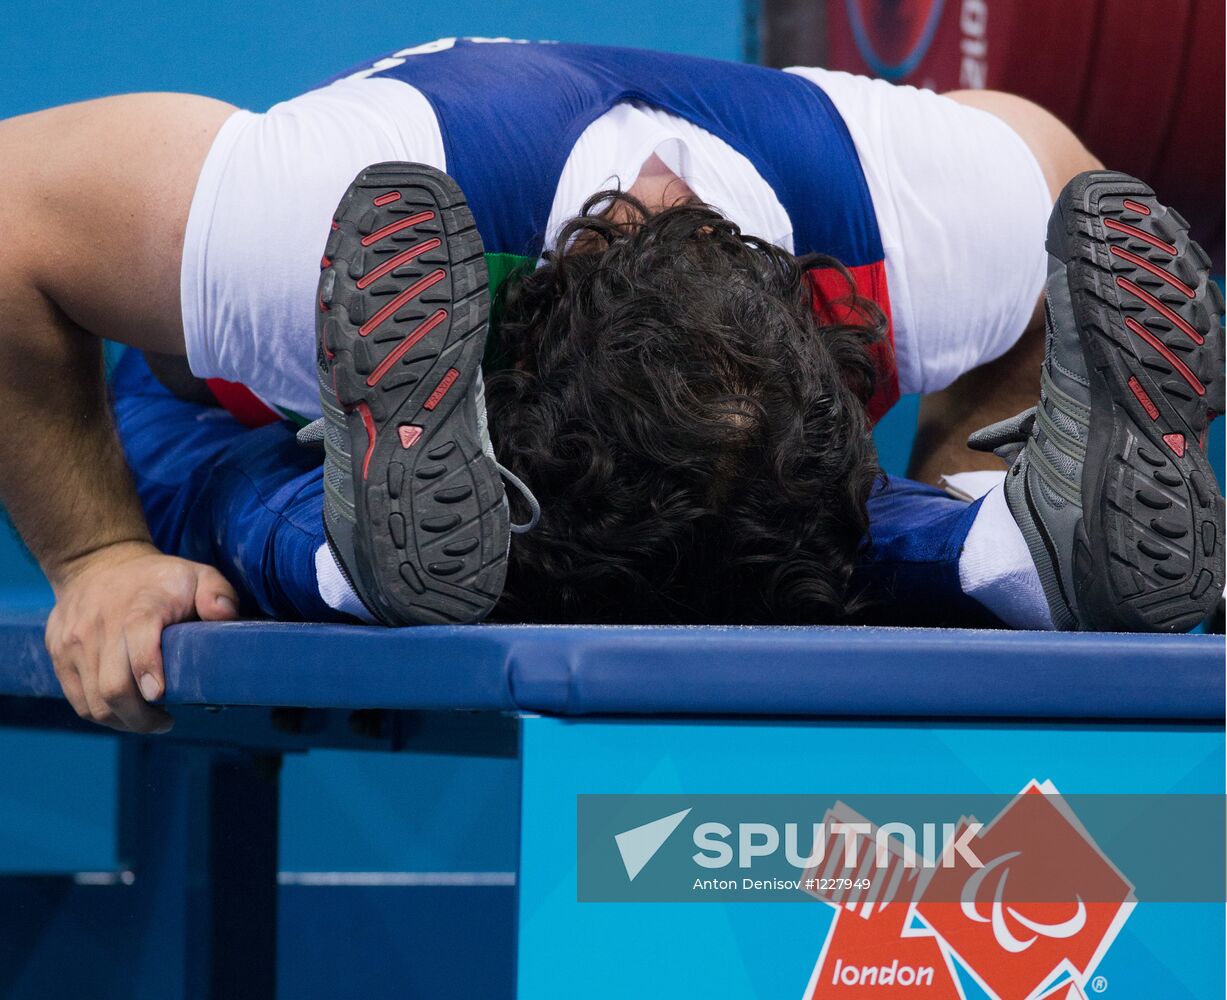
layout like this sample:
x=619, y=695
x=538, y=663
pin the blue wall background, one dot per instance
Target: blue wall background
x=256, y=53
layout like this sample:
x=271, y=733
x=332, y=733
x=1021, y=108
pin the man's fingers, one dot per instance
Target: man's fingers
x=70, y=682
x=62, y=661
x=143, y=639
x=215, y=598
x=96, y=708
x=117, y=689
x=74, y=652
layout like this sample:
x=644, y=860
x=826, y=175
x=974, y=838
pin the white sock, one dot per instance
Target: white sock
x=995, y=566
x=335, y=589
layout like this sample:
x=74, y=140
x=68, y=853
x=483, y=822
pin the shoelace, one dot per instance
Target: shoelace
x=533, y=506
x=312, y=436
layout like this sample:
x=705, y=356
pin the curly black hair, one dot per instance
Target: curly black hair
x=697, y=438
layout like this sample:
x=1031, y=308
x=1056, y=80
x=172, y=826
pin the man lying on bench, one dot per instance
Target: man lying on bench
x=707, y=281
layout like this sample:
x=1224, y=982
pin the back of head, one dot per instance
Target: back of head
x=697, y=438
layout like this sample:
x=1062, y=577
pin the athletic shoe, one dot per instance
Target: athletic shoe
x=1109, y=480
x=414, y=508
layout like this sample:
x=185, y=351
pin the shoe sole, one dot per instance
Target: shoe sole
x=401, y=330
x=1150, y=321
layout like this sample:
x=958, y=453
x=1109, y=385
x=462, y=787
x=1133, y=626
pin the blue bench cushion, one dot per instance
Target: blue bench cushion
x=672, y=670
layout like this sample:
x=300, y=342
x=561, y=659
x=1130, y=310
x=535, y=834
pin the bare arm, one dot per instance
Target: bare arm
x=95, y=204
x=1009, y=384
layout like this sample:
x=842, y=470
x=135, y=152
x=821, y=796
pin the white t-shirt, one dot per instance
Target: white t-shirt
x=960, y=201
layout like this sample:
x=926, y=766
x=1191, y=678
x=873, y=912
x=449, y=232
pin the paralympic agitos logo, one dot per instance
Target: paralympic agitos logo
x=1031, y=923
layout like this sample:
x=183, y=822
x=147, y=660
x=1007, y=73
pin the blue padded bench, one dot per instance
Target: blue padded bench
x=714, y=670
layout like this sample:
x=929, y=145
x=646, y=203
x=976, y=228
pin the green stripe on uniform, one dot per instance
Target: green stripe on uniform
x=500, y=267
